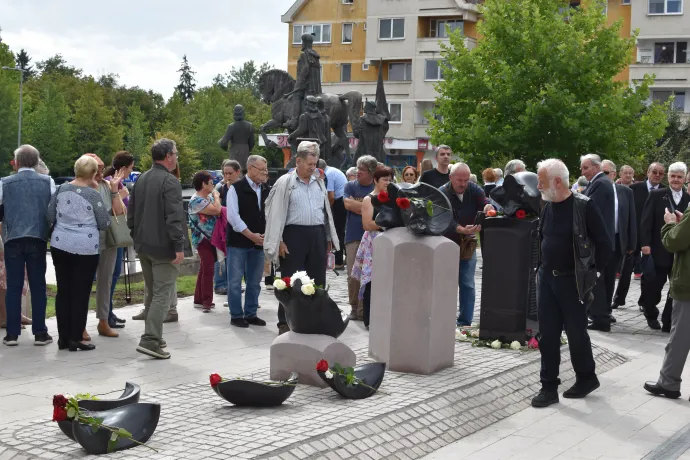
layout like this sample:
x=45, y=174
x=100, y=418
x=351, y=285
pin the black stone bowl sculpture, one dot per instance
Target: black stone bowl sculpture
x=249, y=393
x=388, y=214
x=129, y=396
x=519, y=191
x=370, y=374
x=429, y=211
x=140, y=419
x=311, y=314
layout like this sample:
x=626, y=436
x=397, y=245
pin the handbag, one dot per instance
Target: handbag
x=468, y=244
x=118, y=235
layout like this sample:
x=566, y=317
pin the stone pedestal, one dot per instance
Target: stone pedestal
x=414, y=294
x=293, y=352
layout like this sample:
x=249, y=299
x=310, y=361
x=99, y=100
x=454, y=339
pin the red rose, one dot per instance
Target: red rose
x=215, y=380
x=322, y=366
x=383, y=196
x=286, y=280
x=520, y=214
x=59, y=401
x=403, y=203
x=59, y=414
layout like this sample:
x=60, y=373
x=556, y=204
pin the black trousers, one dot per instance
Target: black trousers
x=366, y=303
x=651, y=295
x=74, y=274
x=610, y=273
x=307, y=251
x=559, y=309
x=339, y=220
x=624, y=281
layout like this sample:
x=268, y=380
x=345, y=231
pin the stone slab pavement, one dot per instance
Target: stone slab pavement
x=479, y=408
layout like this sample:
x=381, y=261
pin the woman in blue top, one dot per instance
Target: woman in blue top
x=77, y=214
x=204, y=209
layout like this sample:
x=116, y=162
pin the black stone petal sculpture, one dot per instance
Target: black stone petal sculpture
x=429, y=213
x=140, y=419
x=256, y=394
x=370, y=374
x=388, y=215
x=311, y=314
x=129, y=396
x=519, y=191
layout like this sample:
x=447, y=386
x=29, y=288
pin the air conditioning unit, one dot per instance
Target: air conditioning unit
x=365, y=67
x=393, y=151
x=365, y=26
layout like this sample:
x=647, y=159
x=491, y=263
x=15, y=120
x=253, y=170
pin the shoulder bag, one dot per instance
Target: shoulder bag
x=118, y=235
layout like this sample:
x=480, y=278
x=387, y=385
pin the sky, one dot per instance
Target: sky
x=143, y=41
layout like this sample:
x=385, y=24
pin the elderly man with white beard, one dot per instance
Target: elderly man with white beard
x=574, y=250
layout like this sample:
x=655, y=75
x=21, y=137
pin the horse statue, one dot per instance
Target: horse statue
x=276, y=83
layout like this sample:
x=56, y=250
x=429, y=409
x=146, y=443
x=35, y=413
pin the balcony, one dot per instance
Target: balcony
x=666, y=75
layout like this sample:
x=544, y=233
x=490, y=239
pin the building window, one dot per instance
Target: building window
x=392, y=29
x=433, y=69
x=321, y=32
x=348, y=2
x=663, y=97
x=347, y=32
x=671, y=53
x=665, y=6
x=345, y=72
x=400, y=71
x=625, y=2
x=395, y=109
x=438, y=29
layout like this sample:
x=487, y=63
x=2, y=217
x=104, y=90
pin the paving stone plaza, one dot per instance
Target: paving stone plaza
x=479, y=408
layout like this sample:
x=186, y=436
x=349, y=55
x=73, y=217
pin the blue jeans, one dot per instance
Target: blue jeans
x=116, y=276
x=247, y=263
x=29, y=253
x=220, y=277
x=466, y=287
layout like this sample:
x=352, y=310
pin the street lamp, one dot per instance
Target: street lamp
x=21, y=86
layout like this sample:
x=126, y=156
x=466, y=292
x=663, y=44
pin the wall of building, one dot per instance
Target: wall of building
x=617, y=11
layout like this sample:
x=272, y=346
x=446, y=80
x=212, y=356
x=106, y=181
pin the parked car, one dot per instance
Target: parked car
x=216, y=174
x=131, y=179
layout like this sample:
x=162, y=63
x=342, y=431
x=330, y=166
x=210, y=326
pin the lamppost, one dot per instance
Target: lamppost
x=21, y=106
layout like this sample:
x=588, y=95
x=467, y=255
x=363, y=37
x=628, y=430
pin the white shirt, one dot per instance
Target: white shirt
x=52, y=182
x=615, y=201
x=651, y=187
x=677, y=196
x=233, y=206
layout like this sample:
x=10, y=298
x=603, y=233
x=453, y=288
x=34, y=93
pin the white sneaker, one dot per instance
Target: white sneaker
x=198, y=305
x=225, y=304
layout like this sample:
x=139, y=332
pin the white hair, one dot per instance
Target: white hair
x=498, y=172
x=307, y=148
x=593, y=157
x=555, y=168
x=678, y=167
x=626, y=167
x=459, y=165
x=352, y=171
x=26, y=156
x=41, y=168
x=513, y=165
x=253, y=159
x=610, y=164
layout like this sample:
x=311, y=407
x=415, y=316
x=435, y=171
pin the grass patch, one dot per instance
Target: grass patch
x=185, y=288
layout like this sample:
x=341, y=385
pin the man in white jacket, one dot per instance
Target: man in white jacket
x=299, y=223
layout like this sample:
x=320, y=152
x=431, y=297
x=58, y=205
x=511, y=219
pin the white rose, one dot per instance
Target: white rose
x=308, y=289
x=496, y=344
x=328, y=374
x=475, y=334
x=306, y=280
x=279, y=284
x=296, y=276
x=515, y=345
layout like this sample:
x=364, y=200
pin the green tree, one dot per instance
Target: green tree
x=188, y=157
x=136, y=137
x=9, y=107
x=246, y=77
x=674, y=145
x=187, y=86
x=177, y=115
x=211, y=114
x=47, y=127
x=58, y=65
x=23, y=61
x=540, y=84
x=93, y=124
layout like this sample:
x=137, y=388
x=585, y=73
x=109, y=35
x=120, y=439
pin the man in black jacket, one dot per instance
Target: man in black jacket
x=640, y=191
x=156, y=218
x=574, y=247
x=602, y=192
x=674, y=198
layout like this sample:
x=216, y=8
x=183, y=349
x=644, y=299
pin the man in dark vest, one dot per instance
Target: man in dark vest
x=25, y=232
x=245, y=240
x=240, y=136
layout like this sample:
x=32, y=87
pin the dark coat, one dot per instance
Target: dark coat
x=600, y=190
x=627, y=221
x=640, y=194
x=653, y=220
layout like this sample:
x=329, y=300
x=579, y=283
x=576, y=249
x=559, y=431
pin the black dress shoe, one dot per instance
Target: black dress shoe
x=115, y=325
x=654, y=324
x=657, y=390
x=119, y=320
x=545, y=398
x=74, y=346
x=581, y=388
x=596, y=326
x=612, y=319
x=614, y=306
x=255, y=321
x=239, y=322
x=63, y=344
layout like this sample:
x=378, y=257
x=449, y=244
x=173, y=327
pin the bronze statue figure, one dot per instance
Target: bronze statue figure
x=311, y=125
x=308, y=79
x=371, y=129
x=240, y=136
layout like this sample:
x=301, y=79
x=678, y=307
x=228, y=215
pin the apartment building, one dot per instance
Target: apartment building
x=355, y=37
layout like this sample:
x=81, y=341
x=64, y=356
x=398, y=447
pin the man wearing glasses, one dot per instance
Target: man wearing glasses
x=245, y=242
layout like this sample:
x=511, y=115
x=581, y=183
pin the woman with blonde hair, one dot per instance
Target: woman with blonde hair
x=426, y=165
x=77, y=214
